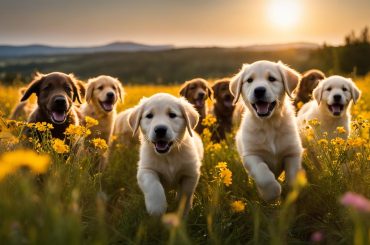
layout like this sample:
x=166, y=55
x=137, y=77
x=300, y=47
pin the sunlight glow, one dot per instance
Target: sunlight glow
x=284, y=13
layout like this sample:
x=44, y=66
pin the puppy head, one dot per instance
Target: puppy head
x=104, y=92
x=310, y=80
x=222, y=94
x=56, y=93
x=263, y=85
x=163, y=120
x=335, y=94
x=196, y=91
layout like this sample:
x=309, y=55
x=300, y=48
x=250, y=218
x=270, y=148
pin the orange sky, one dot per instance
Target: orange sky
x=178, y=22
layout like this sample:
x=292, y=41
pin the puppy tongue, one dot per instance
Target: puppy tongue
x=107, y=106
x=262, y=107
x=59, y=116
x=335, y=109
x=199, y=103
x=161, y=145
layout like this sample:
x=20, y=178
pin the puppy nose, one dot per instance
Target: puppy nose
x=259, y=92
x=201, y=95
x=337, y=97
x=60, y=101
x=110, y=95
x=160, y=131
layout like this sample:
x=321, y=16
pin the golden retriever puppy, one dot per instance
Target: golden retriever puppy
x=102, y=95
x=331, y=106
x=197, y=91
x=303, y=92
x=122, y=131
x=23, y=109
x=170, y=151
x=267, y=140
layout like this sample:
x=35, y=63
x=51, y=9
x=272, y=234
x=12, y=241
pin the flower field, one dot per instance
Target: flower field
x=53, y=195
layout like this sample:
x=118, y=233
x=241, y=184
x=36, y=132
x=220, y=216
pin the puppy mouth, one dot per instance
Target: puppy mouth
x=58, y=116
x=199, y=102
x=336, y=109
x=162, y=146
x=263, y=108
x=107, y=105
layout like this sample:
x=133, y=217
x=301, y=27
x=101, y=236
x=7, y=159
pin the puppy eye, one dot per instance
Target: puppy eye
x=328, y=89
x=149, y=116
x=344, y=89
x=250, y=80
x=100, y=87
x=172, y=115
x=271, y=79
x=68, y=89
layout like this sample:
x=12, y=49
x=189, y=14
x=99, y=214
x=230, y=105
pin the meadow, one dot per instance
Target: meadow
x=60, y=199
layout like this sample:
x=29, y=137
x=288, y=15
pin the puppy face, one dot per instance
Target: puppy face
x=335, y=94
x=263, y=85
x=196, y=91
x=308, y=83
x=163, y=120
x=222, y=93
x=56, y=93
x=104, y=92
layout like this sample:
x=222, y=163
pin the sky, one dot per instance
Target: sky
x=180, y=22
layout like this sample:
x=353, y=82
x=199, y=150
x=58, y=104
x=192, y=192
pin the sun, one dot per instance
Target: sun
x=284, y=13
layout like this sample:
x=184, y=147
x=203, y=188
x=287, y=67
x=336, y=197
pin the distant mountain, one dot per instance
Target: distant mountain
x=32, y=50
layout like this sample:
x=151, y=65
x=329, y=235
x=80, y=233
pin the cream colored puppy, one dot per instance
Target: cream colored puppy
x=102, y=95
x=331, y=106
x=170, y=151
x=123, y=131
x=267, y=140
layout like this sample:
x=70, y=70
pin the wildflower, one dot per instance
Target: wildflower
x=337, y=141
x=99, y=143
x=225, y=175
x=299, y=105
x=341, y=130
x=171, y=220
x=213, y=147
x=314, y=122
x=356, y=142
x=43, y=126
x=206, y=133
x=237, y=206
x=356, y=201
x=221, y=165
x=77, y=130
x=90, y=122
x=209, y=120
x=323, y=142
x=59, y=146
x=282, y=177
x=301, y=179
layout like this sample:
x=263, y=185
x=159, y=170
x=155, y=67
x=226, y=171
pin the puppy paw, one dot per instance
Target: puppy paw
x=156, y=205
x=270, y=191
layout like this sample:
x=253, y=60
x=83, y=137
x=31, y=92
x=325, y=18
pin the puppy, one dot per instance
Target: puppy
x=23, y=109
x=55, y=93
x=303, y=92
x=102, y=95
x=331, y=105
x=267, y=140
x=122, y=129
x=197, y=91
x=170, y=151
x=223, y=108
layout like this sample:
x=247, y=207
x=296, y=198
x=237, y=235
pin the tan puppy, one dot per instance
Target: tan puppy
x=197, y=91
x=303, y=92
x=102, y=95
x=170, y=151
x=331, y=105
x=122, y=129
x=267, y=140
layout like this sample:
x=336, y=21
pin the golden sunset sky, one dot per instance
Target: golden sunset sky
x=180, y=22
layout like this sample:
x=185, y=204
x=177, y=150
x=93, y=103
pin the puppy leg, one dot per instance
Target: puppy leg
x=267, y=185
x=187, y=189
x=150, y=185
x=292, y=165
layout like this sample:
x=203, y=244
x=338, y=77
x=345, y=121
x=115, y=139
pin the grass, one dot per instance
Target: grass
x=72, y=204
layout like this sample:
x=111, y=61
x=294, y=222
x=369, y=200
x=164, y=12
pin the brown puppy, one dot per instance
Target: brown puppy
x=23, y=109
x=303, y=93
x=197, y=91
x=223, y=108
x=55, y=93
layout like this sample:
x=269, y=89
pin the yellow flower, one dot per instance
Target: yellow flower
x=337, y=141
x=356, y=142
x=237, y=206
x=99, y=143
x=209, y=120
x=314, y=122
x=299, y=105
x=59, y=146
x=226, y=176
x=213, y=147
x=81, y=131
x=282, y=177
x=12, y=161
x=341, y=130
x=221, y=165
x=90, y=122
x=301, y=179
x=43, y=126
x=323, y=142
x=206, y=133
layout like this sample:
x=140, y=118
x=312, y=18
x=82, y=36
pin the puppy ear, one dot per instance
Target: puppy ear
x=121, y=91
x=76, y=89
x=290, y=78
x=90, y=89
x=355, y=91
x=210, y=92
x=82, y=88
x=135, y=116
x=317, y=93
x=236, y=83
x=184, y=89
x=215, y=88
x=190, y=114
x=34, y=87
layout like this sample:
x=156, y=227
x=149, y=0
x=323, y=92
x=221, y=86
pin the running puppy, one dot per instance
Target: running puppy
x=267, y=140
x=170, y=151
x=102, y=94
x=197, y=91
x=56, y=92
x=223, y=108
x=331, y=106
